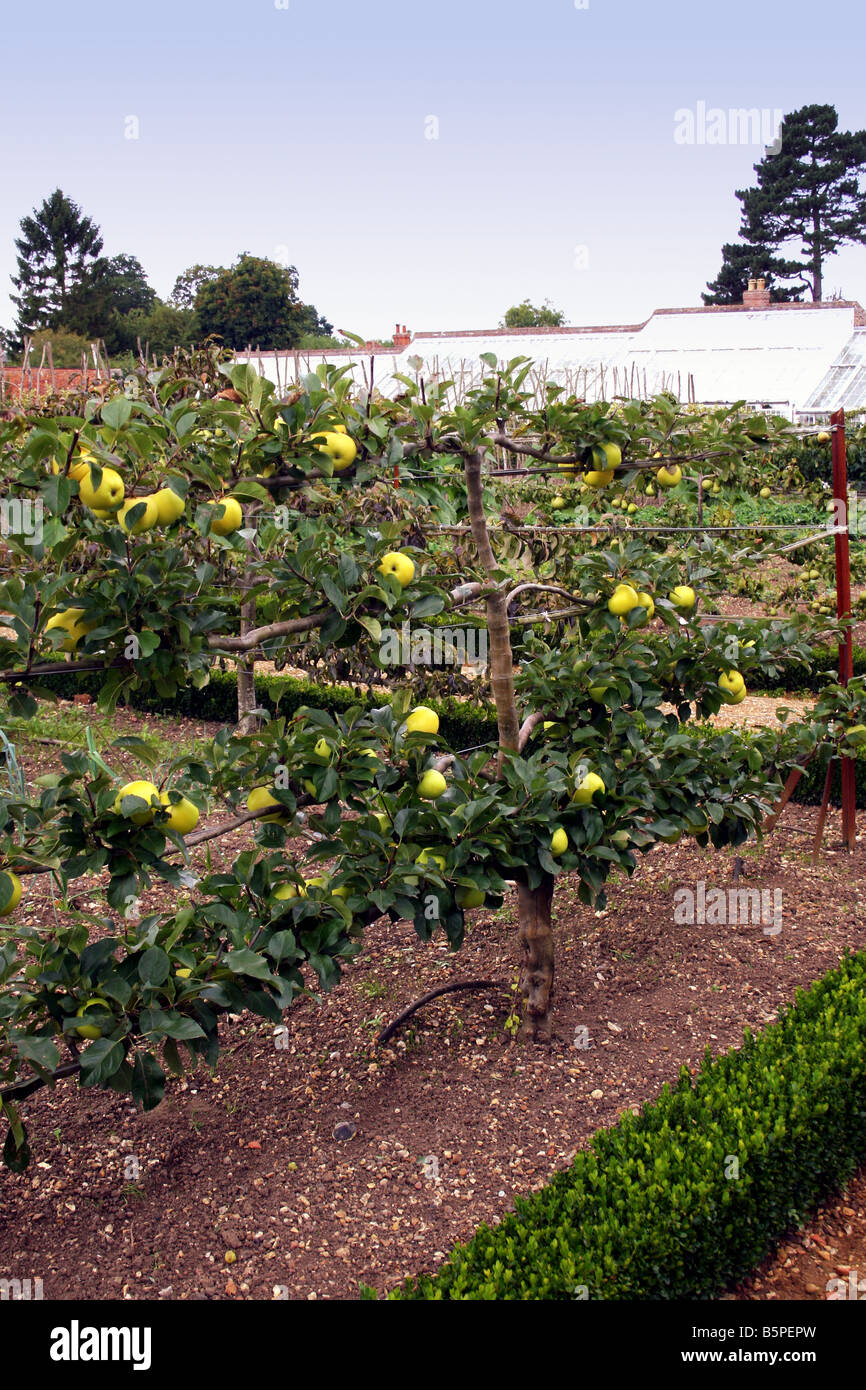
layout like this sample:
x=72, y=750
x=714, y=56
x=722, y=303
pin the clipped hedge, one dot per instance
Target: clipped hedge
x=794, y=676
x=654, y=1208
x=463, y=724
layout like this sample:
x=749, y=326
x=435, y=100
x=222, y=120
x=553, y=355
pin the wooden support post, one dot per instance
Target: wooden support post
x=787, y=792
x=822, y=814
x=843, y=606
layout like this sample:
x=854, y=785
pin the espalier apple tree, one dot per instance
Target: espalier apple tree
x=168, y=513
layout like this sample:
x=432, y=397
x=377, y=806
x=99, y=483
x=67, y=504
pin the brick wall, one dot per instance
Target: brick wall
x=15, y=380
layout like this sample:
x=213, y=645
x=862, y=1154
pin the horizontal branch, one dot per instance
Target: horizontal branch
x=256, y=635
x=59, y=668
x=549, y=588
x=528, y=727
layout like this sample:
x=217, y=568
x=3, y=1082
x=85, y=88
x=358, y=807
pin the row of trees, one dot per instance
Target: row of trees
x=371, y=813
x=806, y=204
x=68, y=291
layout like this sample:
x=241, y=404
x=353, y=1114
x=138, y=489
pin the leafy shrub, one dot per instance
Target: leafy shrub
x=655, y=1208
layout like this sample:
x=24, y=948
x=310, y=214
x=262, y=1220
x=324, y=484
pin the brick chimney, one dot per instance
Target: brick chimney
x=757, y=296
x=402, y=337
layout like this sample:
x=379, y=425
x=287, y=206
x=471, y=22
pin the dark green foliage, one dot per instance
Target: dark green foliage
x=653, y=1208
x=56, y=250
x=463, y=724
x=740, y=264
x=807, y=201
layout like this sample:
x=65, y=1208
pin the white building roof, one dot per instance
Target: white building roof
x=794, y=356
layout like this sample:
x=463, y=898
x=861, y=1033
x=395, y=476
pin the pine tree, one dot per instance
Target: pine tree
x=57, y=247
x=742, y=263
x=808, y=195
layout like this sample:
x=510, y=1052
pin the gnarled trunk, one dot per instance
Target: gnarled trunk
x=533, y=906
x=535, y=934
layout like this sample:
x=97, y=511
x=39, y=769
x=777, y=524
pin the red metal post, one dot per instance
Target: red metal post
x=843, y=604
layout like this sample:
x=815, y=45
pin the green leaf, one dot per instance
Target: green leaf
x=100, y=1061
x=154, y=966
x=39, y=1050
x=117, y=412
x=148, y=1081
x=246, y=962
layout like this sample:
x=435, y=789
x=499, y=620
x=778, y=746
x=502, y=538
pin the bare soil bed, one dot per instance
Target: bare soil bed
x=320, y=1160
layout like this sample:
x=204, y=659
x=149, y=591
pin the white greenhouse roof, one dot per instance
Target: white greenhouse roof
x=844, y=384
x=791, y=356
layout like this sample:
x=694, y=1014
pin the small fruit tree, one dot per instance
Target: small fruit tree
x=167, y=514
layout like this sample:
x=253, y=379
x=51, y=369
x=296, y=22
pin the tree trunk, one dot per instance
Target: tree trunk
x=817, y=266
x=247, y=722
x=535, y=935
x=533, y=906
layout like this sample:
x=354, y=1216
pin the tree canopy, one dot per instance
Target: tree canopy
x=56, y=252
x=806, y=204
x=526, y=315
x=255, y=301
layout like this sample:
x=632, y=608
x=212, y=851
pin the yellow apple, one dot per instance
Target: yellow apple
x=559, y=841
x=16, y=892
x=90, y=1030
x=401, y=566
x=428, y=857
x=109, y=494
x=422, y=720
x=149, y=517
x=169, y=506
x=432, y=785
x=227, y=517
x=182, y=815
x=585, y=790
x=732, y=682
x=669, y=477
x=683, y=596
x=765, y=493
x=69, y=621
x=146, y=791
x=558, y=503
x=261, y=796
x=77, y=470
x=613, y=454
x=469, y=897
x=597, y=478
x=285, y=892
x=823, y=437
x=337, y=446
x=623, y=599
x=646, y=601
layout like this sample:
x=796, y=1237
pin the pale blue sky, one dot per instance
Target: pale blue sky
x=301, y=131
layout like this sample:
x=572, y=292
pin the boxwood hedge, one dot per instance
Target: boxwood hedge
x=463, y=724
x=689, y=1195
